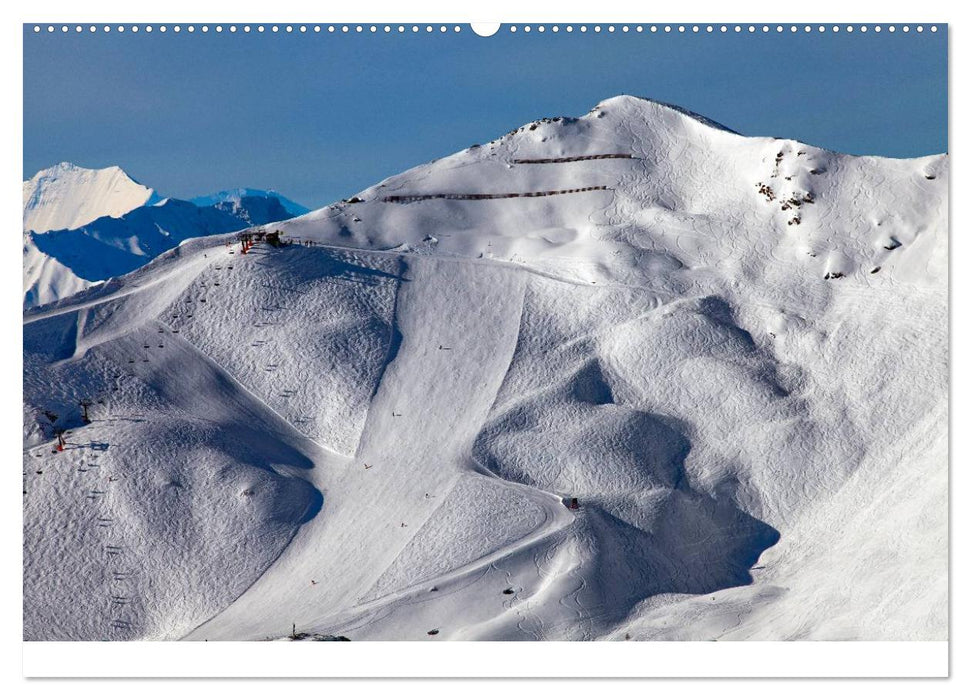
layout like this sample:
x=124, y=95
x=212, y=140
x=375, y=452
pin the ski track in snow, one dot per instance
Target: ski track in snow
x=449, y=407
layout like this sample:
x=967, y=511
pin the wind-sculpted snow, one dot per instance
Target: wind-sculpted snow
x=734, y=358
x=318, y=330
x=561, y=425
x=161, y=510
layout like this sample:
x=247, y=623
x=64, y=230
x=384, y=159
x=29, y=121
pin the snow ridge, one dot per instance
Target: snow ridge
x=67, y=196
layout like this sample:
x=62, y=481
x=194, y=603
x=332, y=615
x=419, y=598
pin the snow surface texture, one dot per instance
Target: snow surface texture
x=734, y=356
x=98, y=228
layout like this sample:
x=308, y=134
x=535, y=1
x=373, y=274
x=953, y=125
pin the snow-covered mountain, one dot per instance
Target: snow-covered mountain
x=238, y=194
x=731, y=351
x=46, y=279
x=67, y=196
x=59, y=263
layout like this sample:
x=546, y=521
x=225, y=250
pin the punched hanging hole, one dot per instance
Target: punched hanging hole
x=485, y=28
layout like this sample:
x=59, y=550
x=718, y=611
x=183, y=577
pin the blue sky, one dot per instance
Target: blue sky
x=321, y=116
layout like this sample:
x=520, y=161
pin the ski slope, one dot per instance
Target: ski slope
x=731, y=350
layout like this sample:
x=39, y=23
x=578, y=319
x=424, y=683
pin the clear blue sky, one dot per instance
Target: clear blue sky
x=321, y=116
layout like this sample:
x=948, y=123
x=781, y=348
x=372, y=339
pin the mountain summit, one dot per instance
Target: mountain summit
x=67, y=196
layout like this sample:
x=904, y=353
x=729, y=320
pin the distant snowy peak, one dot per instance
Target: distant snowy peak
x=67, y=196
x=60, y=263
x=82, y=226
x=235, y=196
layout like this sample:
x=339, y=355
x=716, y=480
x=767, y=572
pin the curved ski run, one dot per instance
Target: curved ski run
x=431, y=403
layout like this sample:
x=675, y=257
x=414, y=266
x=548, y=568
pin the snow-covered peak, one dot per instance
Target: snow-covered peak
x=67, y=196
x=656, y=110
x=237, y=194
x=596, y=191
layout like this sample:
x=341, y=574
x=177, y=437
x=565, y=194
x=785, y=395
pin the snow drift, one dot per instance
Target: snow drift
x=731, y=351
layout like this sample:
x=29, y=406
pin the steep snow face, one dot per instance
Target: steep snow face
x=62, y=262
x=236, y=196
x=67, y=196
x=731, y=351
x=45, y=279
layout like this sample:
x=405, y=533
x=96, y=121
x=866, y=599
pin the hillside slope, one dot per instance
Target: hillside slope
x=731, y=351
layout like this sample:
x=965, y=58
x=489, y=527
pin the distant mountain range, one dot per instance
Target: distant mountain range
x=84, y=226
x=238, y=194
